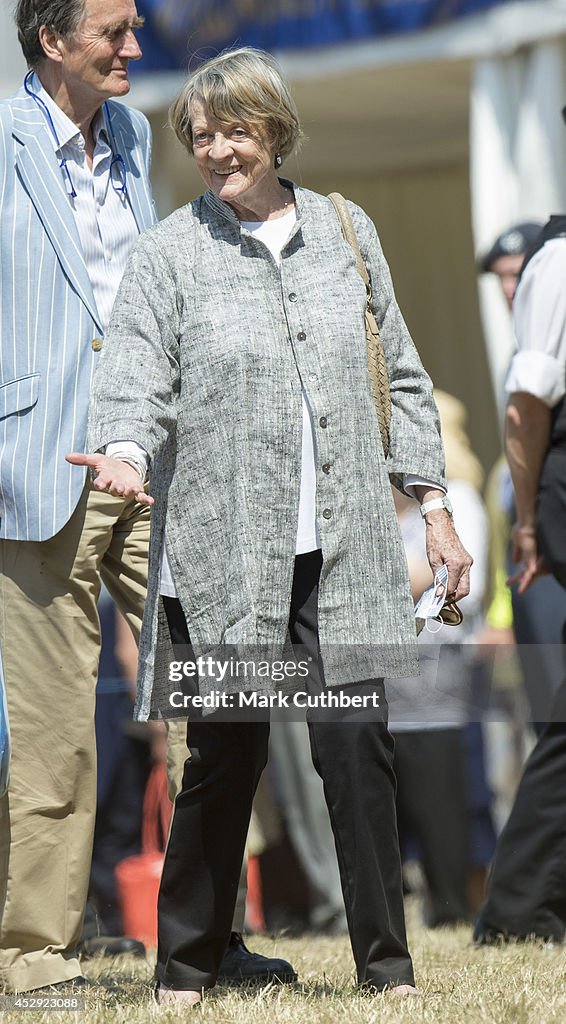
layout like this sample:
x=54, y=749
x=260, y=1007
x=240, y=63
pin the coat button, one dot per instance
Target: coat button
x=323, y=422
x=301, y=336
x=326, y=467
x=292, y=297
x=97, y=344
x=327, y=513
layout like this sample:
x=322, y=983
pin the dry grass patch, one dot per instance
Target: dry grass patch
x=514, y=984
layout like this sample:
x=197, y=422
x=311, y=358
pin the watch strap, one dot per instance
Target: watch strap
x=434, y=503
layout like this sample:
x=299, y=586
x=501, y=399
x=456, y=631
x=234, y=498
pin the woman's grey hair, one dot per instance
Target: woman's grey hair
x=62, y=16
x=241, y=86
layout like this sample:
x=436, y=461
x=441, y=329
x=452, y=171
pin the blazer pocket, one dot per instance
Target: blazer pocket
x=19, y=395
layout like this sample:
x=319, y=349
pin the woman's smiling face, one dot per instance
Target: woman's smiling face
x=235, y=162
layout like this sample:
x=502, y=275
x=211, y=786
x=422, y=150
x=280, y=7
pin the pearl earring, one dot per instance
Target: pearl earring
x=278, y=159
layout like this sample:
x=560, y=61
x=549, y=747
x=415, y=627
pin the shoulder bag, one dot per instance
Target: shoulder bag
x=376, y=356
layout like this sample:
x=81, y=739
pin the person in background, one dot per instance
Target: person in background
x=430, y=716
x=238, y=371
x=527, y=887
x=505, y=257
x=533, y=618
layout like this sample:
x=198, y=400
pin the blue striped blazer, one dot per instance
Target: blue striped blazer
x=48, y=316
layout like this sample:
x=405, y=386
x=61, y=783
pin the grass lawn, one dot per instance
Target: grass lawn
x=513, y=984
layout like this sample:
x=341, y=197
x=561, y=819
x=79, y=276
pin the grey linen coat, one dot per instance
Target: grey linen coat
x=209, y=343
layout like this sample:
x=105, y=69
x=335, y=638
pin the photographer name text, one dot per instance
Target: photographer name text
x=217, y=699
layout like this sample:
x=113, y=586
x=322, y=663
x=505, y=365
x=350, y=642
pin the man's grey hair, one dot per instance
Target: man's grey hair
x=62, y=16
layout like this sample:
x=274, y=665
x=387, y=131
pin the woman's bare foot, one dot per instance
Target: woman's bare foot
x=177, y=996
x=403, y=990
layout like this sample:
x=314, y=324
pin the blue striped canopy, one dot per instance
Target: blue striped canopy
x=179, y=31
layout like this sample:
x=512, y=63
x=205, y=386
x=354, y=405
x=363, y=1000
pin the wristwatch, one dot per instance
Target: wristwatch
x=429, y=506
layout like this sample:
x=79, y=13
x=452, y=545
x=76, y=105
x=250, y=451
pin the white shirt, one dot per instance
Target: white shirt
x=105, y=222
x=539, y=318
x=274, y=234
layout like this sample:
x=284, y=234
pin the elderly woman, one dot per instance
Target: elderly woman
x=237, y=364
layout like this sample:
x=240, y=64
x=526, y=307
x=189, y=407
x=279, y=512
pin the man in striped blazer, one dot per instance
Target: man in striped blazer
x=74, y=195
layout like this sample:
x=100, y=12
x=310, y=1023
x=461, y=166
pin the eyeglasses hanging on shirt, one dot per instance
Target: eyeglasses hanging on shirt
x=117, y=172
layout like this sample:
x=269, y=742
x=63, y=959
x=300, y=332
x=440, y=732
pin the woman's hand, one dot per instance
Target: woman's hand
x=115, y=476
x=443, y=546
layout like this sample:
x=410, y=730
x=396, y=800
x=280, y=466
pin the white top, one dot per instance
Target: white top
x=105, y=222
x=274, y=234
x=539, y=317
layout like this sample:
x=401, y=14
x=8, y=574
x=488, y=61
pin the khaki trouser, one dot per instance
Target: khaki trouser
x=50, y=638
x=50, y=642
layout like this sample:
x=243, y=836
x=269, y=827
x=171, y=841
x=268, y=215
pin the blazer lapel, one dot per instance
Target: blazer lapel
x=37, y=164
x=139, y=194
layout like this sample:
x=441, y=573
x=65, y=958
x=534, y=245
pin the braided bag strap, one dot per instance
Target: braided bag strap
x=376, y=357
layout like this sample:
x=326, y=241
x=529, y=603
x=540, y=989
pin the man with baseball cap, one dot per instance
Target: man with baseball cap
x=527, y=890
x=506, y=255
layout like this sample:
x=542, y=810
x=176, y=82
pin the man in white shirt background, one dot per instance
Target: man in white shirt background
x=535, y=615
x=527, y=889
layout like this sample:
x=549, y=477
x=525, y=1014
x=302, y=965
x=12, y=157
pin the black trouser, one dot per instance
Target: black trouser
x=527, y=885
x=353, y=756
x=432, y=801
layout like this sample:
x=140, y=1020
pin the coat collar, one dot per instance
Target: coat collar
x=225, y=210
x=38, y=166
